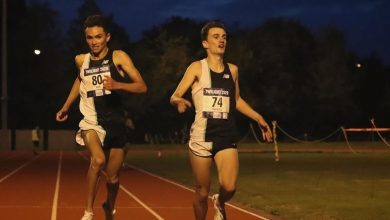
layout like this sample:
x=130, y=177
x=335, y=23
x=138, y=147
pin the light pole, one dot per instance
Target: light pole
x=4, y=87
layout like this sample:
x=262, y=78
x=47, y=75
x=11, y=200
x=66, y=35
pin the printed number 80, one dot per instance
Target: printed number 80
x=97, y=80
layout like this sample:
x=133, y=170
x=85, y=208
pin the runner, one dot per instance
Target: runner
x=35, y=138
x=103, y=76
x=216, y=97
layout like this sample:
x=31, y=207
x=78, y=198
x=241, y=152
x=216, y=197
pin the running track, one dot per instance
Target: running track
x=52, y=186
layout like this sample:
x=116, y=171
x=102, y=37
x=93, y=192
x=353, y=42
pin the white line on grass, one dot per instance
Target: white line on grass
x=55, y=199
x=17, y=169
x=184, y=187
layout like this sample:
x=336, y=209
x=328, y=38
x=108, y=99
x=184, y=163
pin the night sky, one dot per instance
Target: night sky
x=366, y=23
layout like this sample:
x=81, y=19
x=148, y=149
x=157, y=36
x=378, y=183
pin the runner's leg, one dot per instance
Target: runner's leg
x=201, y=169
x=114, y=164
x=94, y=147
x=227, y=165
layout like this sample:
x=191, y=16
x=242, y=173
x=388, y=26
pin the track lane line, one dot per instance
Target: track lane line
x=141, y=203
x=18, y=169
x=56, y=191
x=149, y=209
x=187, y=188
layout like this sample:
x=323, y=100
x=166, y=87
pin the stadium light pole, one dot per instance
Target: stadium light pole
x=4, y=88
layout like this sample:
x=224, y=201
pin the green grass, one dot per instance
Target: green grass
x=300, y=186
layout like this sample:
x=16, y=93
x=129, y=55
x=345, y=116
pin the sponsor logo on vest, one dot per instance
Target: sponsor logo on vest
x=96, y=70
x=213, y=92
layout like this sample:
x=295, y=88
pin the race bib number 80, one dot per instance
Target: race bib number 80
x=216, y=103
x=94, y=80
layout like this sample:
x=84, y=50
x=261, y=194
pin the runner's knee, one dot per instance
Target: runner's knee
x=112, y=178
x=203, y=192
x=228, y=187
x=98, y=162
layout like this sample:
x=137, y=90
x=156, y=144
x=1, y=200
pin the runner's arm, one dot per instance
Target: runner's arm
x=185, y=83
x=62, y=114
x=124, y=64
x=243, y=107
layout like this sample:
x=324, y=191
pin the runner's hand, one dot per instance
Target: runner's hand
x=62, y=115
x=265, y=131
x=109, y=83
x=182, y=105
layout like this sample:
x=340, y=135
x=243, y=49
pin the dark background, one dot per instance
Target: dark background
x=307, y=80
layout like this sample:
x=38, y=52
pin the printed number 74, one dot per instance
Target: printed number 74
x=217, y=101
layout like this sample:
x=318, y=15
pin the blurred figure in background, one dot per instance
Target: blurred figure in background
x=35, y=138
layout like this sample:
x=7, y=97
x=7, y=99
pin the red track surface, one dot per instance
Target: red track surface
x=52, y=186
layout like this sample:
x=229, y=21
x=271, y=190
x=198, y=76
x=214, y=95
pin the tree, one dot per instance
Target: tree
x=332, y=82
x=32, y=77
x=275, y=60
x=372, y=93
x=163, y=55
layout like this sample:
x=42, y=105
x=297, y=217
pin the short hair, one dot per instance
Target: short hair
x=212, y=24
x=96, y=20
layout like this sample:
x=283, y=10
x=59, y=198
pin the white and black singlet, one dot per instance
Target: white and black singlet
x=102, y=109
x=214, y=127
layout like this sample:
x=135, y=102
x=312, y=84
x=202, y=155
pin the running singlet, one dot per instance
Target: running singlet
x=215, y=107
x=102, y=109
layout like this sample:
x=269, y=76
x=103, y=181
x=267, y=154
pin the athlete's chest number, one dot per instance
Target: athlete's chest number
x=93, y=80
x=217, y=102
x=97, y=80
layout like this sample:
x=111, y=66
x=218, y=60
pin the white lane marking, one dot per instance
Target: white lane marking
x=57, y=189
x=19, y=168
x=141, y=203
x=184, y=187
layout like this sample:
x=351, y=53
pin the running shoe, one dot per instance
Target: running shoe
x=220, y=213
x=87, y=215
x=107, y=212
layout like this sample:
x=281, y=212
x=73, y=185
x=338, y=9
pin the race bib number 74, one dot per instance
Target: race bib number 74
x=216, y=103
x=94, y=77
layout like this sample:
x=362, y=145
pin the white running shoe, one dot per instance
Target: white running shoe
x=87, y=215
x=220, y=213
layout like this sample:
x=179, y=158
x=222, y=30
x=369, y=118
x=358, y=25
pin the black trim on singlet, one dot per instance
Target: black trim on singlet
x=114, y=100
x=223, y=130
x=109, y=108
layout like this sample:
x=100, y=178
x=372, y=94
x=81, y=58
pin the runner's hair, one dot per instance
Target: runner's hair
x=97, y=20
x=212, y=24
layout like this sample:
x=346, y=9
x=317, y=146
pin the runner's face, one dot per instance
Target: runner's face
x=97, y=39
x=216, y=41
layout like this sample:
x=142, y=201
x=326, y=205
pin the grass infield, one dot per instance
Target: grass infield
x=322, y=184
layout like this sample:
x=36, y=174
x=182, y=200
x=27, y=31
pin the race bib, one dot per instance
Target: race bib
x=216, y=103
x=93, y=78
